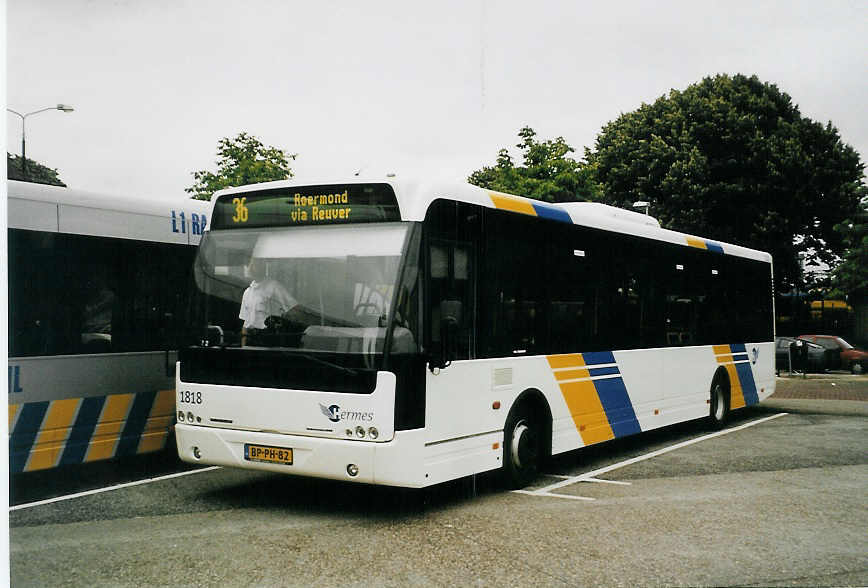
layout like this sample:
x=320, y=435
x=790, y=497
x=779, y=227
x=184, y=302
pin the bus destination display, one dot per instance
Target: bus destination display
x=308, y=205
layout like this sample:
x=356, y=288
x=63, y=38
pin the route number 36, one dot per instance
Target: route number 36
x=241, y=212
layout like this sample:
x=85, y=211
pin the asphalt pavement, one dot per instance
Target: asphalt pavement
x=776, y=499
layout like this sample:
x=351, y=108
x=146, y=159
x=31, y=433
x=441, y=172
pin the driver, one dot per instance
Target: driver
x=264, y=297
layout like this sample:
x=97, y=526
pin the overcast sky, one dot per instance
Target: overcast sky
x=432, y=89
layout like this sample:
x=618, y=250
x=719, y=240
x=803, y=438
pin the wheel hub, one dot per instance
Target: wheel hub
x=523, y=446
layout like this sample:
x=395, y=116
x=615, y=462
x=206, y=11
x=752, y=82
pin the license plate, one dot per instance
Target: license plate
x=267, y=454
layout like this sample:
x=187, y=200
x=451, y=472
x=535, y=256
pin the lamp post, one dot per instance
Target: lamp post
x=642, y=204
x=23, y=117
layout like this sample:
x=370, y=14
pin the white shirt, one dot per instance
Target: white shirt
x=262, y=300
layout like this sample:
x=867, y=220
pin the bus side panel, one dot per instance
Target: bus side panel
x=59, y=413
x=466, y=408
x=609, y=395
x=766, y=373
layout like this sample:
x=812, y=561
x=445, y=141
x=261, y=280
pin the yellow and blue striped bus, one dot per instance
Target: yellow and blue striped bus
x=97, y=285
x=407, y=333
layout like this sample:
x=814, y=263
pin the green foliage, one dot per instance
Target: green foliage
x=242, y=160
x=731, y=158
x=851, y=275
x=35, y=172
x=547, y=173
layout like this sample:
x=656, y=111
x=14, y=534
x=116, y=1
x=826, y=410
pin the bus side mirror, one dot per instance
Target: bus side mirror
x=450, y=317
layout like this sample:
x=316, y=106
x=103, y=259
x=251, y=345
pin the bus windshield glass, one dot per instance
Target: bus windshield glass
x=312, y=289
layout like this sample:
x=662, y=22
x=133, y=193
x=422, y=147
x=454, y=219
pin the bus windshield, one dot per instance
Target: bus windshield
x=312, y=289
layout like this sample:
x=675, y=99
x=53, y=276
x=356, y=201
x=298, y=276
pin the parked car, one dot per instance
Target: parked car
x=844, y=356
x=817, y=356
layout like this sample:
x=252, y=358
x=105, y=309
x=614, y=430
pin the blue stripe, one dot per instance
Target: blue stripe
x=604, y=371
x=598, y=357
x=24, y=436
x=616, y=403
x=738, y=348
x=712, y=246
x=740, y=357
x=129, y=441
x=551, y=213
x=748, y=386
x=82, y=430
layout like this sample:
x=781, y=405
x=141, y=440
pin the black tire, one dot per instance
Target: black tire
x=522, y=446
x=718, y=411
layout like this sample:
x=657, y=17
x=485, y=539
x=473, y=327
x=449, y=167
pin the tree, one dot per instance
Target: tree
x=36, y=172
x=851, y=275
x=242, y=160
x=733, y=159
x=547, y=173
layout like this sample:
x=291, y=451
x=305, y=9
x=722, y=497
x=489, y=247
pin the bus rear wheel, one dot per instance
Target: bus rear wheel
x=719, y=410
x=522, y=447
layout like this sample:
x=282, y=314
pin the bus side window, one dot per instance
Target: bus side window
x=450, y=279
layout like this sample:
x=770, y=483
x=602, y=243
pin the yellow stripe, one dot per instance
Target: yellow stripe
x=572, y=374
x=13, y=412
x=53, y=434
x=164, y=405
x=725, y=358
x=736, y=395
x=108, y=430
x=722, y=349
x=694, y=242
x=565, y=361
x=587, y=411
x=154, y=440
x=581, y=397
x=512, y=204
x=156, y=429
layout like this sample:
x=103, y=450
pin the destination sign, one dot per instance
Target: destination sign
x=307, y=205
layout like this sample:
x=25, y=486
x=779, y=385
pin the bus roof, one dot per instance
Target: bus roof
x=40, y=207
x=415, y=197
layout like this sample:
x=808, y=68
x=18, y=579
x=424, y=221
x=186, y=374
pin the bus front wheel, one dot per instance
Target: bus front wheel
x=522, y=446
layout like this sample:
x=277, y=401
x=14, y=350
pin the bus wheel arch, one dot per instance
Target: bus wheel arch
x=719, y=399
x=527, y=435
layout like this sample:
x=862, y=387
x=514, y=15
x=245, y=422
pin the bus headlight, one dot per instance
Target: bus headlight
x=373, y=433
x=353, y=470
x=190, y=417
x=360, y=432
x=180, y=416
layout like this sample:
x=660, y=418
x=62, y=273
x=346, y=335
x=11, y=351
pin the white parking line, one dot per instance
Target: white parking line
x=600, y=481
x=591, y=476
x=549, y=494
x=110, y=488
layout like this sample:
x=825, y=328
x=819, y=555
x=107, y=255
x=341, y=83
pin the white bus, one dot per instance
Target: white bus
x=97, y=287
x=411, y=334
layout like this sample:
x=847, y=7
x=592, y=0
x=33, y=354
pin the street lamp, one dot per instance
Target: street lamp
x=60, y=107
x=642, y=204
